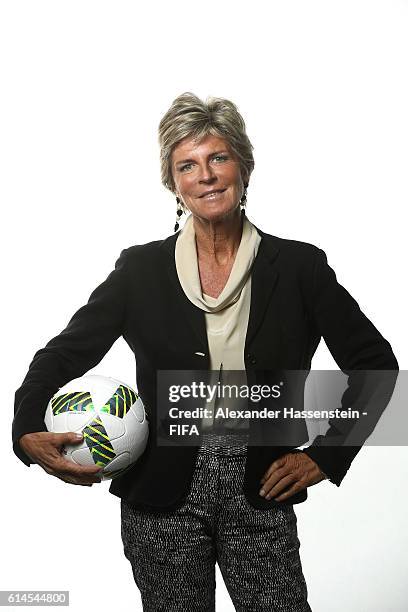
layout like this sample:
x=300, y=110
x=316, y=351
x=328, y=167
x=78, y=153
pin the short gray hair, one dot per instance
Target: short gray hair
x=188, y=116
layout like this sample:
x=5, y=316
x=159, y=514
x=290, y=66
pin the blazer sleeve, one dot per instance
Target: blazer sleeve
x=79, y=347
x=358, y=349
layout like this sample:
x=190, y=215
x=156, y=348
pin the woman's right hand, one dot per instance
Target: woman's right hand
x=45, y=448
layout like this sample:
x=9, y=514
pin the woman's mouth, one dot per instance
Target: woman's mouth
x=212, y=195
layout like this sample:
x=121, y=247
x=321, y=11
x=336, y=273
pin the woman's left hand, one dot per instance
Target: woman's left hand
x=294, y=470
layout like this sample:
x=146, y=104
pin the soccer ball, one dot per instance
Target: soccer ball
x=111, y=417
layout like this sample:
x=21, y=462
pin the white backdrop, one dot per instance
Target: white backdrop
x=323, y=88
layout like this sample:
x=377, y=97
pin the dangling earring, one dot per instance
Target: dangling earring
x=179, y=212
x=243, y=200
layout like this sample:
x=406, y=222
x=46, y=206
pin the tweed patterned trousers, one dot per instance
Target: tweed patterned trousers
x=173, y=554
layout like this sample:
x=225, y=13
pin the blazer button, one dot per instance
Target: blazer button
x=251, y=358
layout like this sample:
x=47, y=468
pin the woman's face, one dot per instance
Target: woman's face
x=207, y=177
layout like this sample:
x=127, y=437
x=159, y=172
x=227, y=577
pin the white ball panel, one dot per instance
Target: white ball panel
x=76, y=421
x=118, y=463
x=49, y=418
x=138, y=410
x=136, y=441
x=80, y=454
x=102, y=392
x=115, y=427
x=60, y=423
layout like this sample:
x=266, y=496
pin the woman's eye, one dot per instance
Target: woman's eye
x=185, y=167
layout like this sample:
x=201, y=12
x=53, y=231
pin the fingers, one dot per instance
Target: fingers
x=74, y=469
x=68, y=437
x=274, y=466
x=279, y=469
x=70, y=471
x=287, y=486
x=78, y=480
x=295, y=488
x=74, y=482
x=288, y=475
x=77, y=474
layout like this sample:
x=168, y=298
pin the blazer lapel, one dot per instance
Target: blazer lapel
x=194, y=316
x=263, y=282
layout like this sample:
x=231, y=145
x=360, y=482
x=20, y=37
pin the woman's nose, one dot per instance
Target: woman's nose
x=206, y=174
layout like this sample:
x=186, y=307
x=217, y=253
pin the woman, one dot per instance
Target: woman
x=222, y=295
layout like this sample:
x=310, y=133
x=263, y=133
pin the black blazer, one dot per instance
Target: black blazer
x=295, y=300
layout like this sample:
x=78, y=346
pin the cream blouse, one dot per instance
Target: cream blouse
x=227, y=315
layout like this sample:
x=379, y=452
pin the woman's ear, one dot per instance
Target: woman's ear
x=245, y=179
